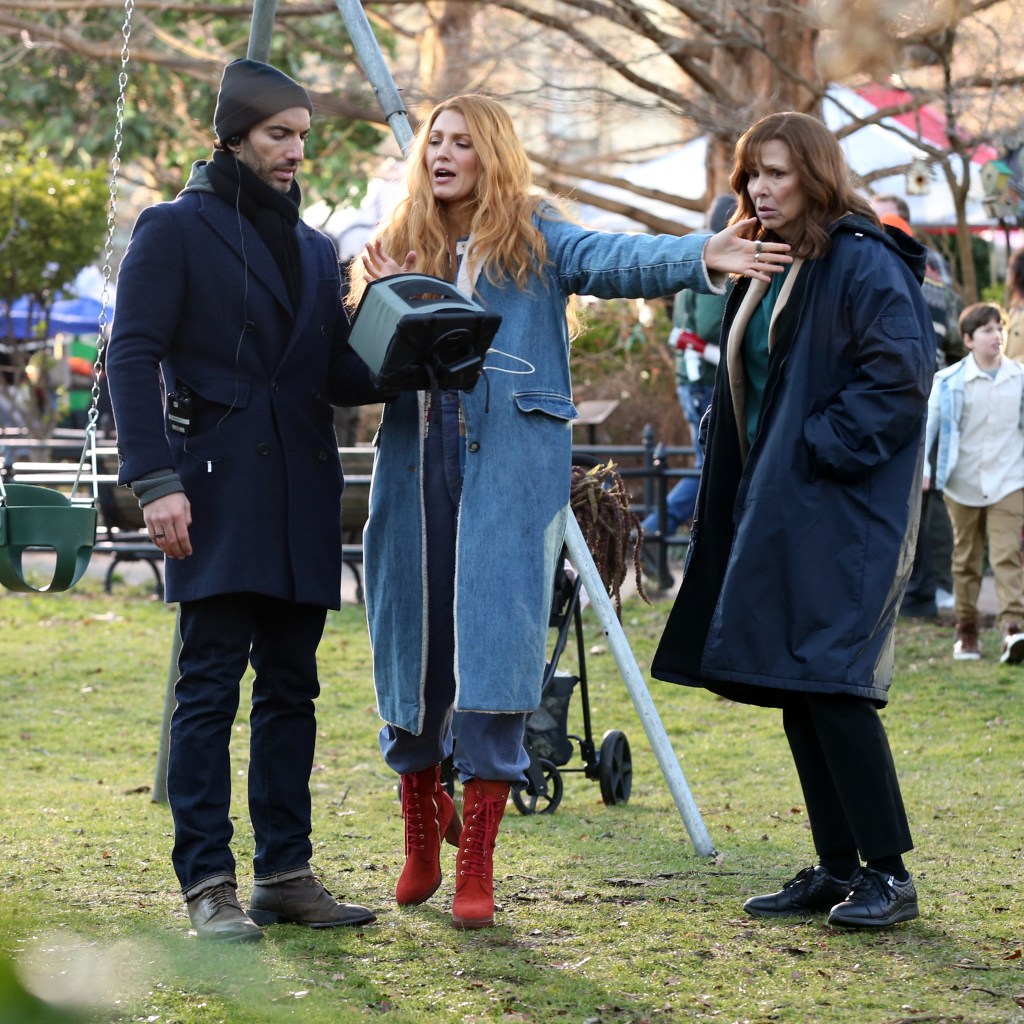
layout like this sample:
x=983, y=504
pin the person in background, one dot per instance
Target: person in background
x=471, y=488
x=231, y=306
x=1013, y=347
x=944, y=304
x=976, y=414
x=930, y=589
x=807, y=511
x=696, y=321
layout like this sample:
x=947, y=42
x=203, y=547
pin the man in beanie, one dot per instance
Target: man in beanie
x=230, y=306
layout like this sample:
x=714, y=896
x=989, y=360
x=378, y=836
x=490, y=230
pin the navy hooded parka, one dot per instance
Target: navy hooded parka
x=801, y=547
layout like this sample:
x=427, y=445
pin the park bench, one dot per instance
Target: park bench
x=650, y=466
x=357, y=462
x=121, y=532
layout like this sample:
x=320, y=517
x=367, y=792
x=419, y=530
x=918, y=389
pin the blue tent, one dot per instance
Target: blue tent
x=67, y=316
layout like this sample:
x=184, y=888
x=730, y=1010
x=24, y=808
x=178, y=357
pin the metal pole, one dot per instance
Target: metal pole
x=376, y=71
x=261, y=30
x=160, y=779
x=579, y=555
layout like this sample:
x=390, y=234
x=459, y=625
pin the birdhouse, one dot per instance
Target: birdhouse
x=999, y=201
x=919, y=179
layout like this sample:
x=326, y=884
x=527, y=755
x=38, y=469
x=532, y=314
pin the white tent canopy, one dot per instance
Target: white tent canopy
x=869, y=149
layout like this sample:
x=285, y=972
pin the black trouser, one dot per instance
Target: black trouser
x=933, y=557
x=848, y=777
x=939, y=535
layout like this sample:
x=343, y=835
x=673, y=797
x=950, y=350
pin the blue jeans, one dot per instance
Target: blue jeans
x=681, y=500
x=219, y=637
x=490, y=746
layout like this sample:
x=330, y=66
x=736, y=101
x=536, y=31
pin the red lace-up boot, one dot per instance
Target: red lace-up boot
x=430, y=815
x=482, y=809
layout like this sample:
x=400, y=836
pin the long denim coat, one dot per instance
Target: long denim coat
x=512, y=517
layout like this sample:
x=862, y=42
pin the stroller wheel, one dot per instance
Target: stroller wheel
x=615, y=768
x=528, y=802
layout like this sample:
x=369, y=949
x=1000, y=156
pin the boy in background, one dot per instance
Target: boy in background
x=976, y=409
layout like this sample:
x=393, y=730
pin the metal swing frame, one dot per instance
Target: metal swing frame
x=34, y=518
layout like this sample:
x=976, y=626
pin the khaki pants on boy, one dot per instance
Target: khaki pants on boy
x=1001, y=524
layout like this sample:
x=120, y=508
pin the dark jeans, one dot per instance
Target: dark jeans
x=939, y=532
x=219, y=638
x=847, y=775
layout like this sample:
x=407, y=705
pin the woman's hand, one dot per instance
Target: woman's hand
x=379, y=264
x=728, y=254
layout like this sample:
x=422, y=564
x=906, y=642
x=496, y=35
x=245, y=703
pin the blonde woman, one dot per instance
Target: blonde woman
x=468, y=505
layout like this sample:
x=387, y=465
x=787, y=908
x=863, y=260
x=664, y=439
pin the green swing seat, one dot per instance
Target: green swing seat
x=38, y=518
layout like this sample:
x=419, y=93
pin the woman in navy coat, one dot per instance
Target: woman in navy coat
x=805, y=524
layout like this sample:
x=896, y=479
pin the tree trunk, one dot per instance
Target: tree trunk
x=958, y=188
x=446, y=50
x=784, y=76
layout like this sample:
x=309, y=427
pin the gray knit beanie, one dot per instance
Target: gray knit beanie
x=251, y=92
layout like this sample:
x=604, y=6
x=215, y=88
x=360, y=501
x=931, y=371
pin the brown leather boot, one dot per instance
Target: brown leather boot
x=299, y=897
x=482, y=809
x=217, y=916
x=430, y=815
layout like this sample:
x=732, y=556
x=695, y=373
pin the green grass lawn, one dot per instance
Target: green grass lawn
x=606, y=914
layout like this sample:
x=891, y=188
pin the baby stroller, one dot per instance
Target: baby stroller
x=547, y=739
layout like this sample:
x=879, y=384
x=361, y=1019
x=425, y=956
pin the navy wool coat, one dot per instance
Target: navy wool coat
x=802, y=546
x=201, y=302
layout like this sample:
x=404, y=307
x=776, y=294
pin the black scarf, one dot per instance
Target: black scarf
x=274, y=214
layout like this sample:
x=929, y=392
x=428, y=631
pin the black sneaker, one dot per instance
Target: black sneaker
x=813, y=889
x=876, y=900
x=1012, y=650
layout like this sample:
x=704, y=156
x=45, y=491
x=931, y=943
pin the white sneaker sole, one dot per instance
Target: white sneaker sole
x=1014, y=653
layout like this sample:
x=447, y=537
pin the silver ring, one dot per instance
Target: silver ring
x=157, y=536
x=757, y=256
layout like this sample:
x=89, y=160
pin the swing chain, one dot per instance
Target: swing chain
x=108, y=251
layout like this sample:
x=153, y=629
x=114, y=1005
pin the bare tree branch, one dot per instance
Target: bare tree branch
x=573, y=192
x=701, y=76
x=164, y=7
x=566, y=171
